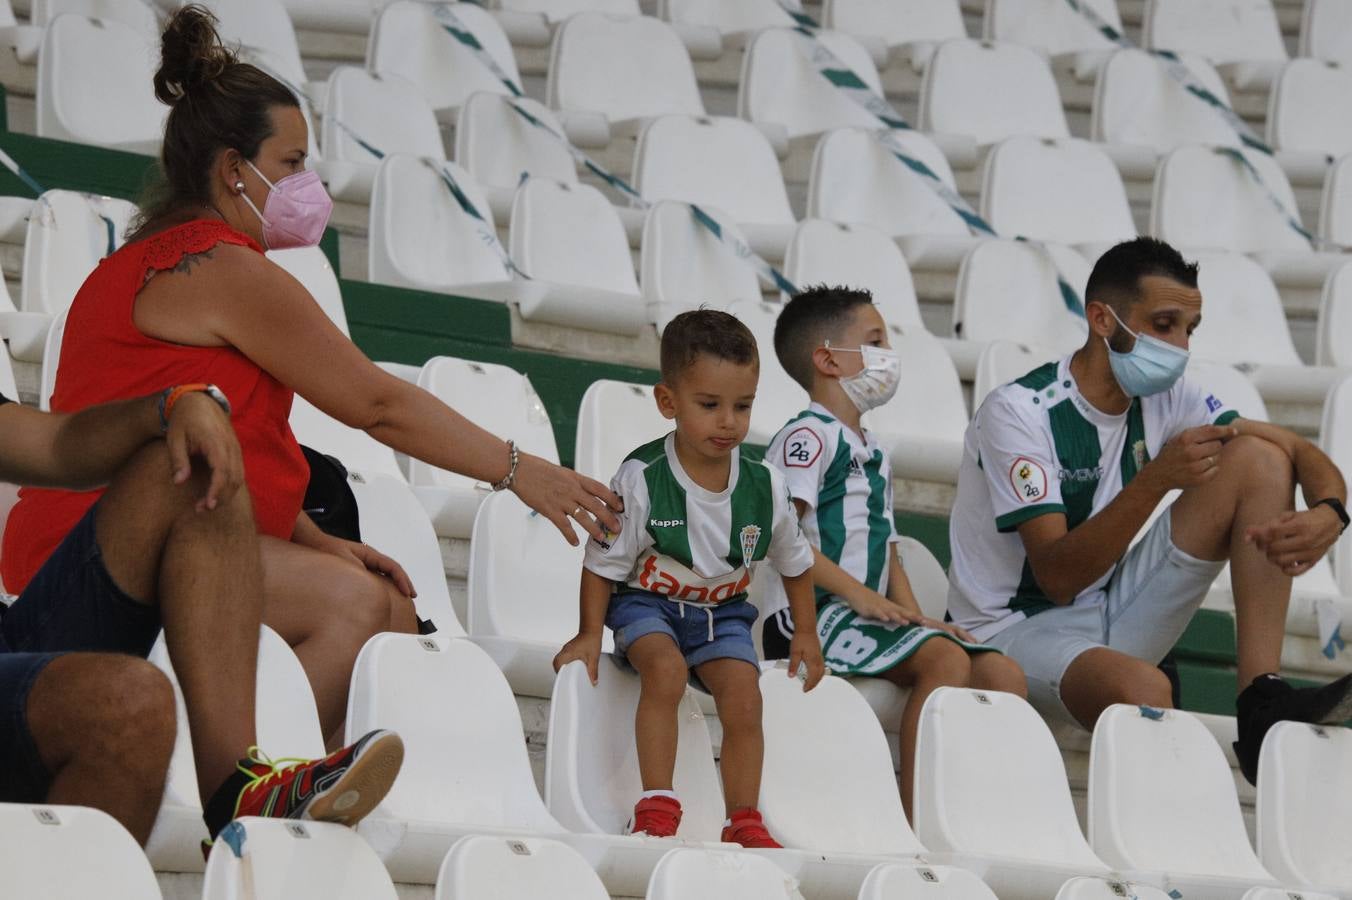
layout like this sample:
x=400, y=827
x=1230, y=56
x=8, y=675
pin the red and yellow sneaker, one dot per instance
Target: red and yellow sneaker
x=748, y=829
x=656, y=817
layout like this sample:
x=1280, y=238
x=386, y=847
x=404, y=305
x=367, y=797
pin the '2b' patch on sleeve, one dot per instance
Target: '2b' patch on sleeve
x=1028, y=479
x=802, y=448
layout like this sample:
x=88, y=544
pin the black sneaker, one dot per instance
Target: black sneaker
x=1270, y=699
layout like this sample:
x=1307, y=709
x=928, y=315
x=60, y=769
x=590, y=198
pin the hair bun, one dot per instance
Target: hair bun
x=191, y=54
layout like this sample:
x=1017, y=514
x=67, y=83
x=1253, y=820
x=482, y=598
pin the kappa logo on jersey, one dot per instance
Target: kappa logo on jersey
x=659, y=581
x=1212, y=404
x=666, y=523
x=802, y=448
x=1028, y=479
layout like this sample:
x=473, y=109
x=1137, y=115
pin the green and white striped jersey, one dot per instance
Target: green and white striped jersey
x=692, y=544
x=846, y=482
x=1035, y=447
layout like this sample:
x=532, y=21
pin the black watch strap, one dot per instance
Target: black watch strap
x=1336, y=505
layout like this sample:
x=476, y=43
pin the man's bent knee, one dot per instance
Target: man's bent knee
x=1262, y=458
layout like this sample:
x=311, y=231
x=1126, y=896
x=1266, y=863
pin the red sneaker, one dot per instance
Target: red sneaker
x=656, y=817
x=748, y=830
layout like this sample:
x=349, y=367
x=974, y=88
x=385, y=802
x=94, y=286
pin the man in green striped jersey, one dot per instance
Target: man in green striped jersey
x=833, y=342
x=672, y=583
x=1065, y=466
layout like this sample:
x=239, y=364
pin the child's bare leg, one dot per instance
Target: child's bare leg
x=997, y=672
x=938, y=663
x=735, y=684
x=662, y=675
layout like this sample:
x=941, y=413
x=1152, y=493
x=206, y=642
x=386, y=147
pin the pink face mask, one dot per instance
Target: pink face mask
x=296, y=211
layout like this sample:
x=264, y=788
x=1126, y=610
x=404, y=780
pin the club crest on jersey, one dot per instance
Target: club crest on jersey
x=1138, y=448
x=1028, y=479
x=750, y=537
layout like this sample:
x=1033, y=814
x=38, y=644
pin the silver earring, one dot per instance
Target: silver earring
x=239, y=187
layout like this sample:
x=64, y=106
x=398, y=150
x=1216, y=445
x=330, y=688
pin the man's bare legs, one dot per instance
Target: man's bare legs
x=104, y=727
x=202, y=570
x=1100, y=677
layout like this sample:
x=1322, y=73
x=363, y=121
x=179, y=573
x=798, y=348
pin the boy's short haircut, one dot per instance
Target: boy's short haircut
x=705, y=332
x=813, y=316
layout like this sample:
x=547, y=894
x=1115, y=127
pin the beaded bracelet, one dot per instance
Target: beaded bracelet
x=509, y=479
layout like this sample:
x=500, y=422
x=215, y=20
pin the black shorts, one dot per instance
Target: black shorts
x=776, y=635
x=72, y=604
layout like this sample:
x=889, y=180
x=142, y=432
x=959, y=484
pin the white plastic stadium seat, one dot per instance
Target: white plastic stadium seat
x=1326, y=31
x=1000, y=808
x=591, y=763
x=918, y=22
x=567, y=235
x=990, y=91
x=39, y=847
x=1301, y=811
x=718, y=875
x=623, y=68
x=1333, y=340
x=1050, y=25
x=135, y=14
x=727, y=18
x=312, y=269
x=497, y=146
x=683, y=266
x=1243, y=37
x=720, y=161
x=1082, y=888
x=1067, y=191
x=516, y=868
x=1007, y=290
x=265, y=34
x=889, y=881
x=385, y=111
x=1162, y=799
x=556, y=11
x=778, y=397
x=278, y=859
x=1335, y=438
x=51, y=356
x=348, y=16
x=496, y=398
x=1335, y=210
x=94, y=85
x=922, y=427
x=357, y=450
x=1002, y=362
x=614, y=418
x=68, y=233
x=861, y=256
x=857, y=180
x=288, y=726
x=1299, y=125
x=408, y=40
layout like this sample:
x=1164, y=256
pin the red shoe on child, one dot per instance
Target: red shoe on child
x=656, y=817
x=748, y=829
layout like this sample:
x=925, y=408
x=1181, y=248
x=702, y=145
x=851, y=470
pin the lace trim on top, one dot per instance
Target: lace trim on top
x=164, y=250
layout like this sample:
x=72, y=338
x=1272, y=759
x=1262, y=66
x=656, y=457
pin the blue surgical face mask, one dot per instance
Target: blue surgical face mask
x=1150, y=367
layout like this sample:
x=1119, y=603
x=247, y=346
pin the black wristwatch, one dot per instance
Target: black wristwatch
x=1336, y=505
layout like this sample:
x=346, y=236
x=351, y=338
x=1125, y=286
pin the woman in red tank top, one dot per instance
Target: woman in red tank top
x=192, y=298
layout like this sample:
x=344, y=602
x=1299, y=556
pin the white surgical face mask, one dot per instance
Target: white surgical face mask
x=876, y=383
x=1150, y=367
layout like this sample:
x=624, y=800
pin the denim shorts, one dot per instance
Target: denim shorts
x=72, y=604
x=702, y=633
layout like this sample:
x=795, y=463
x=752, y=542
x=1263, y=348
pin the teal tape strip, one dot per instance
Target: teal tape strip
x=1150, y=712
x=19, y=171
x=234, y=837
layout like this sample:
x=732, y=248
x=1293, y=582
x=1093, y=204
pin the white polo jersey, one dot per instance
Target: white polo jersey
x=1036, y=446
x=846, y=482
x=695, y=545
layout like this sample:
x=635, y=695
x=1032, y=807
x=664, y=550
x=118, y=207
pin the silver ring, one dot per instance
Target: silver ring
x=577, y=509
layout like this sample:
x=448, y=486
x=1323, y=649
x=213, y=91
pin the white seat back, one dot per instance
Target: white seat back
x=135, y=14
x=408, y=40
x=1007, y=290
x=1067, y=191
x=1333, y=341
x=1303, y=803
x=720, y=161
x=1335, y=210
x=387, y=111
x=591, y=764
x=683, y=266
x=928, y=580
x=263, y=29
x=891, y=880
x=613, y=419
x=312, y=269
x=465, y=759
x=516, y=868
x=1050, y=25
x=806, y=802
x=1003, y=798
x=568, y=233
x=419, y=235
x=556, y=11
x=350, y=16
x=1242, y=316
x=855, y=179
x=1002, y=362
x=1221, y=30
x=1204, y=199
x=823, y=252
x=1085, y=888
x=778, y=397
x=727, y=18
x=68, y=233
x=718, y=875
x=536, y=602
x=1162, y=798
x=1298, y=109
x=1335, y=438
x=1137, y=102
x=990, y=91
x=40, y=846
x=622, y=67
x=357, y=450
x=280, y=859
x=1326, y=31
x=927, y=415
x=497, y=146
x=896, y=23
x=94, y=85
x=51, y=357
x=780, y=84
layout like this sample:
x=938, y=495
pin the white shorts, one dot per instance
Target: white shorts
x=1148, y=603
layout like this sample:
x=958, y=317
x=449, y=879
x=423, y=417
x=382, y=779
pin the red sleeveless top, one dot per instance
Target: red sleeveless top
x=105, y=357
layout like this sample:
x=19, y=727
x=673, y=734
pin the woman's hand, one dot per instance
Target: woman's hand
x=368, y=558
x=559, y=494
